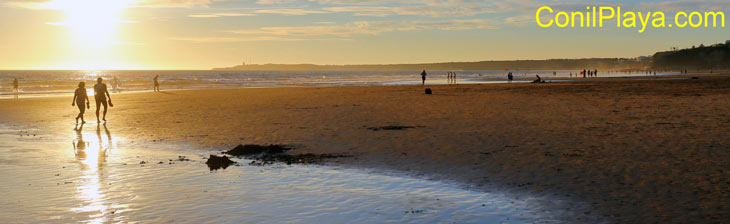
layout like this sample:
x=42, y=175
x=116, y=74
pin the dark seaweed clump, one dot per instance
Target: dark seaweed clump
x=392, y=127
x=264, y=155
x=248, y=150
x=219, y=162
x=307, y=158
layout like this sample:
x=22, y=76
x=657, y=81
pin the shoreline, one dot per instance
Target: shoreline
x=608, y=143
x=434, y=82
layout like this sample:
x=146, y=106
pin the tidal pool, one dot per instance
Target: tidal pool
x=96, y=177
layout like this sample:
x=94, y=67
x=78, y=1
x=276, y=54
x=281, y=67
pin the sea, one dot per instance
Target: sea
x=51, y=82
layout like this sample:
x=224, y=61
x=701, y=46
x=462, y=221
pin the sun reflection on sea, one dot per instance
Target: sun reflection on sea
x=91, y=150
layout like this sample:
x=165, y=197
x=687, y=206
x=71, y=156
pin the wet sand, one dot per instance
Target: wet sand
x=632, y=150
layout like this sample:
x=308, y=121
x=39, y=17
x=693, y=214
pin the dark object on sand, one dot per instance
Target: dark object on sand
x=428, y=91
x=392, y=127
x=247, y=150
x=308, y=158
x=218, y=162
x=695, y=77
x=264, y=155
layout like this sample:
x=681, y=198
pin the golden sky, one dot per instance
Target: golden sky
x=202, y=34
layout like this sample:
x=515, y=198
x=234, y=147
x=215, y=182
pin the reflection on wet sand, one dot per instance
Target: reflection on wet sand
x=92, y=154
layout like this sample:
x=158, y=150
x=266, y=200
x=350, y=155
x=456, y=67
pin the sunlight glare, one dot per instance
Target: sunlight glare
x=93, y=26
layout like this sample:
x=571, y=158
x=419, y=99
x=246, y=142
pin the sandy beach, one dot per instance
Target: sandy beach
x=627, y=150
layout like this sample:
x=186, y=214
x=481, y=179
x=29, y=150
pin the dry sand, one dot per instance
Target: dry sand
x=635, y=150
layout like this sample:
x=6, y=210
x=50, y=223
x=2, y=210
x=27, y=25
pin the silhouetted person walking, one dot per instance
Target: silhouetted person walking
x=510, y=77
x=15, y=85
x=157, y=83
x=79, y=98
x=423, y=77
x=100, y=94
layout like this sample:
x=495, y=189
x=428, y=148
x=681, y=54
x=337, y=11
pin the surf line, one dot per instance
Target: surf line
x=595, y=17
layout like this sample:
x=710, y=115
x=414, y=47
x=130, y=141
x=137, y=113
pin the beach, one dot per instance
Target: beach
x=628, y=150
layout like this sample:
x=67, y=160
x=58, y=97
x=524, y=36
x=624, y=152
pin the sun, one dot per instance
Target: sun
x=92, y=22
x=92, y=26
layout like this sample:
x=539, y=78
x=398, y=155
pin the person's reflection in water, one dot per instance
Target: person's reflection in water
x=79, y=143
x=92, y=188
x=108, y=147
x=92, y=156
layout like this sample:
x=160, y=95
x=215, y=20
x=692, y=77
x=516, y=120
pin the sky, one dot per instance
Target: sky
x=204, y=34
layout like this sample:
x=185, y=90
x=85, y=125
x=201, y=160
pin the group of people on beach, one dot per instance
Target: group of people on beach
x=451, y=77
x=101, y=97
x=589, y=73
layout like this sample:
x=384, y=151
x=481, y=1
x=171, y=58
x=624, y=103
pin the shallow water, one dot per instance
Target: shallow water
x=45, y=83
x=89, y=175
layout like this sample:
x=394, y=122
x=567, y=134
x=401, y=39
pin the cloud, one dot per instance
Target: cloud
x=172, y=3
x=274, y=2
x=25, y=4
x=520, y=20
x=218, y=15
x=369, y=28
x=681, y=5
x=331, y=32
x=53, y=4
x=298, y=12
x=233, y=39
x=430, y=8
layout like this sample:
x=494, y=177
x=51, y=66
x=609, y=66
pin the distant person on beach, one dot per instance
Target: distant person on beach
x=15, y=85
x=157, y=83
x=115, y=83
x=423, y=78
x=79, y=98
x=595, y=72
x=538, y=80
x=584, y=73
x=510, y=77
x=101, y=94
